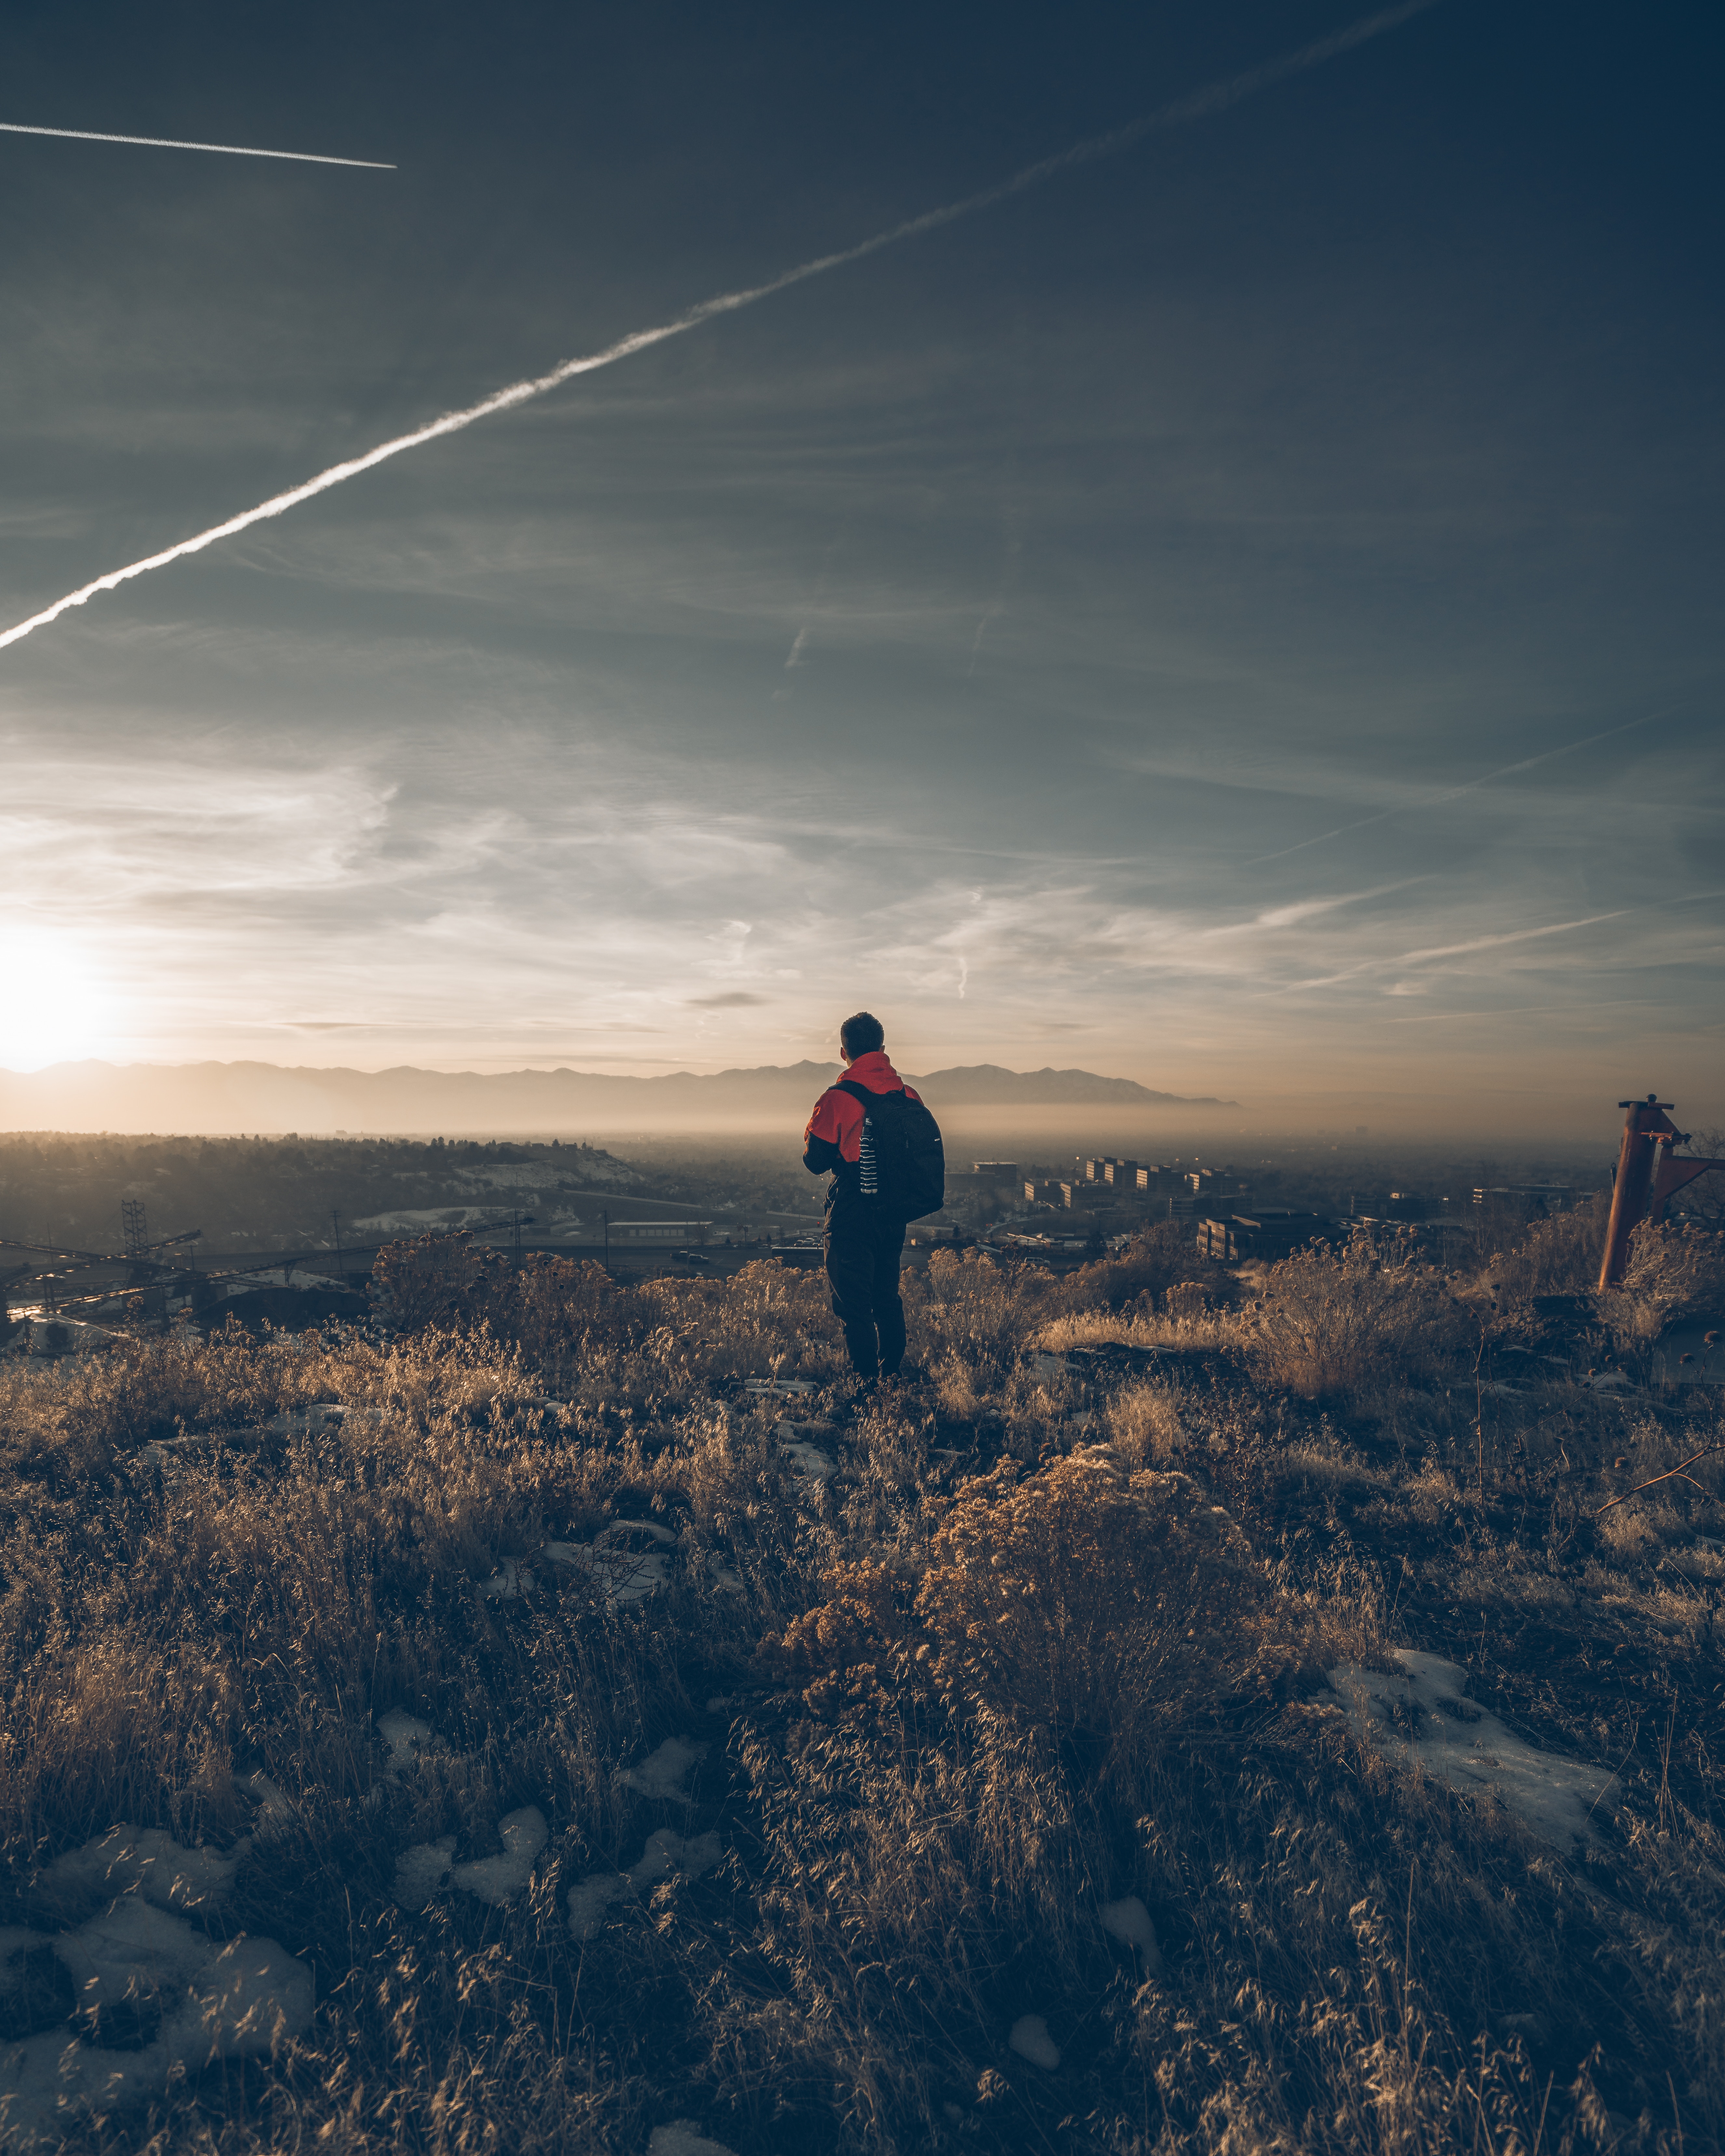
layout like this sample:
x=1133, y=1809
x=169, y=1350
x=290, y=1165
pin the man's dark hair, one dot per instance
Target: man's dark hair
x=861, y=1036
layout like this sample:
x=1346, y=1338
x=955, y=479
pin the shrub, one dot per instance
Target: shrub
x=971, y=1303
x=1560, y=1255
x=1080, y=1598
x=1331, y=1318
x=1160, y=1261
x=1675, y=1265
x=1144, y=1423
x=429, y=1279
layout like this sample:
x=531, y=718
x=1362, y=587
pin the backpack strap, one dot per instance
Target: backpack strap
x=857, y=1093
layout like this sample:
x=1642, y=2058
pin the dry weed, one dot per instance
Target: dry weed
x=1675, y=1266
x=1333, y=1319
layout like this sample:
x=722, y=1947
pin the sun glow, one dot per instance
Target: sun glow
x=53, y=1005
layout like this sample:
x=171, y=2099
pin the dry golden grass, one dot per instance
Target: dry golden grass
x=1678, y=1265
x=963, y=1704
x=1329, y=1319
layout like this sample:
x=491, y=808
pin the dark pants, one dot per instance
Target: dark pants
x=863, y=1255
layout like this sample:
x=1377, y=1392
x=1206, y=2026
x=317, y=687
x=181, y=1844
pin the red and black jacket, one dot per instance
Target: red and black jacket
x=833, y=1143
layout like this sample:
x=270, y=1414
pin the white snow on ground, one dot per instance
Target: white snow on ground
x=725, y=1575
x=664, y=1855
x=627, y=1559
x=1031, y=2040
x=497, y=1879
x=276, y=1809
x=763, y=1388
x=509, y=1581
x=794, y=1442
x=681, y=2138
x=1129, y=1922
x=215, y=2001
x=660, y=1774
x=810, y=1460
x=422, y=1872
x=590, y=1898
x=408, y=1737
x=1420, y=1714
x=150, y=1861
x=428, y=1870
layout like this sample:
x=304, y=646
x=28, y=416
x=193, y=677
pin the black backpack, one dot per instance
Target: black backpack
x=910, y=1160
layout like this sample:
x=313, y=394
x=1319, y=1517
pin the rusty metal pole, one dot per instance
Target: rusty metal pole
x=1636, y=1164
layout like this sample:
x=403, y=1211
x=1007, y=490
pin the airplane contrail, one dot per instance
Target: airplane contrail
x=1197, y=104
x=1455, y=793
x=161, y=142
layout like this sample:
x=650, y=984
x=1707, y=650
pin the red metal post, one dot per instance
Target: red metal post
x=1636, y=1164
x=1649, y=1172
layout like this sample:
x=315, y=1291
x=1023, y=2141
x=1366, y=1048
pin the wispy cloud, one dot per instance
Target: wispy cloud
x=1442, y=799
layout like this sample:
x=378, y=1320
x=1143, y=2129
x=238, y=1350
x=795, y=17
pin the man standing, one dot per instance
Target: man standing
x=882, y=1149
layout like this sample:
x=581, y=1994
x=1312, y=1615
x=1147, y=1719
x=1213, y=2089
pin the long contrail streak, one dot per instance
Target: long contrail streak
x=217, y=149
x=1199, y=105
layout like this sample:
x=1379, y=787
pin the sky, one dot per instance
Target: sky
x=1241, y=614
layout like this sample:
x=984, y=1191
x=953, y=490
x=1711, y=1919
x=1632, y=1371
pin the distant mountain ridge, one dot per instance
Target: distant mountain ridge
x=219, y=1098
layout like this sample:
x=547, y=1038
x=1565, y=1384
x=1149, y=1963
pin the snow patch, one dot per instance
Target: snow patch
x=150, y=1861
x=681, y=2138
x=208, y=2001
x=1420, y=1714
x=428, y=1870
x=664, y=1856
x=423, y=1872
x=1031, y=2040
x=508, y=1582
x=626, y=1560
x=499, y=1879
x=660, y=1774
x=408, y=1737
x=806, y=1457
x=666, y=1853
x=1129, y=1922
x=589, y=1898
x=275, y=1810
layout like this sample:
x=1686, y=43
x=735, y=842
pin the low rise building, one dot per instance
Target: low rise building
x=1272, y=1232
x=660, y=1231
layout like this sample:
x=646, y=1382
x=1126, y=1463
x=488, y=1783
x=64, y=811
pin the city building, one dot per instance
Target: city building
x=660, y=1231
x=1271, y=1233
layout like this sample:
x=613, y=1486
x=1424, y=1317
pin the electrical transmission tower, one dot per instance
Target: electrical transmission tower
x=131, y=1215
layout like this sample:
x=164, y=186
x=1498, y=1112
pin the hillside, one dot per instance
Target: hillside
x=1273, y=1713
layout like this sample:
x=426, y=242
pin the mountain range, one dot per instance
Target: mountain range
x=222, y=1098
